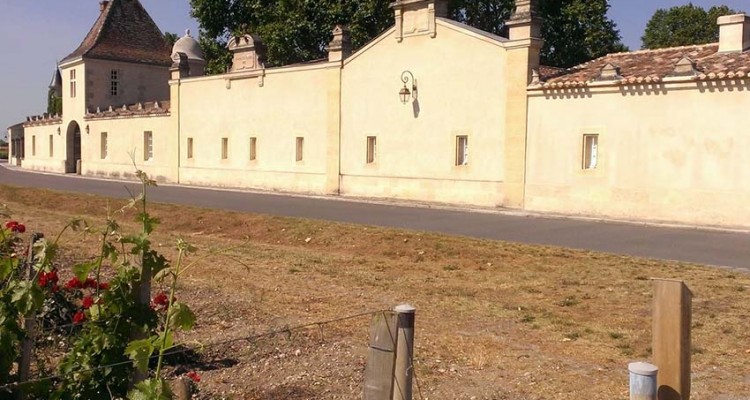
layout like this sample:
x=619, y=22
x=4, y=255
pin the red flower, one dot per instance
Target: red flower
x=160, y=302
x=14, y=226
x=87, y=302
x=90, y=283
x=194, y=376
x=45, y=278
x=79, y=317
x=104, y=286
x=74, y=283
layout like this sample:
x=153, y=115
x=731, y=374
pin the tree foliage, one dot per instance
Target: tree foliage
x=575, y=31
x=171, y=38
x=54, y=103
x=683, y=26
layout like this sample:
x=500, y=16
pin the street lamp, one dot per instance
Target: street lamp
x=405, y=93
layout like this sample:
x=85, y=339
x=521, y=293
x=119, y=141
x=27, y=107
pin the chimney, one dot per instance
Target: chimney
x=734, y=33
x=103, y=5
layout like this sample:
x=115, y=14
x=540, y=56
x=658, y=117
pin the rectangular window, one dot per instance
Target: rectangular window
x=114, y=83
x=148, y=145
x=224, y=148
x=372, y=143
x=462, y=150
x=33, y=145
x=72, y=83
x=103, y=146
x=590, y=151
x=300, y=148
x=190, y=148
x=51, y=146
x=253, y=144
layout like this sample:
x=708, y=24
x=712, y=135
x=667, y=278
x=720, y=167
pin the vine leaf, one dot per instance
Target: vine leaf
x=140, y=351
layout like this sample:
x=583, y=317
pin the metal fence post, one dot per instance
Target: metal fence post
x=643, y=384
x=403, y=374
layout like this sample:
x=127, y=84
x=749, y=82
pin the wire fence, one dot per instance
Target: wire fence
x=217, y=344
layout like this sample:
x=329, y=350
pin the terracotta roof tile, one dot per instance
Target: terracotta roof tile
x=654, y=65
x=124, y=32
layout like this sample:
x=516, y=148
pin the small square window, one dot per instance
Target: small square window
x=189, y=148
x=103, y=146
x=300, y=148
x=462, y=150
x=253, y=148
x=224, y=148
x=372, y=147
x=148, y=145
x=590, y=151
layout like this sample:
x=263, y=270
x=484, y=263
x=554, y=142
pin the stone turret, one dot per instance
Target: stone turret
x=192, y=50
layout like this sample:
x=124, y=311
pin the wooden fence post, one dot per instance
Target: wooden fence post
x=404, y=353
x=671, y=338
x=27, y=345
x=381, y=357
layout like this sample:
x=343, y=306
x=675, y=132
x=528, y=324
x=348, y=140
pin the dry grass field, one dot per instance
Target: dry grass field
x=495, y=320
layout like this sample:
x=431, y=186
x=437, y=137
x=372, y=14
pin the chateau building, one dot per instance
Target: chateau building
x=430, y=110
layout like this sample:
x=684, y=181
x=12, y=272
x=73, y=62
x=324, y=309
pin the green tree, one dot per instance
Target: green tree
x=171, y=38
x=293, y=30
x=54, y=103
x=575, y=31
x=683, y=26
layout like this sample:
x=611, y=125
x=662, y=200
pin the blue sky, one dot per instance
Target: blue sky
x=35, y=34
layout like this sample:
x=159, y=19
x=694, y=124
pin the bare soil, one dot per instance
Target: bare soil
x=495, y=320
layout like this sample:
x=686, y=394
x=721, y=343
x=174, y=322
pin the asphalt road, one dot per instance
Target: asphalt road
x=691, y=245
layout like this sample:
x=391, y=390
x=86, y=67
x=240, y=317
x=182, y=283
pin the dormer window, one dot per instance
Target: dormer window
x=114, y=87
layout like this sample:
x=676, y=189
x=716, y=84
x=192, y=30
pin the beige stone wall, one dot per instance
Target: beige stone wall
x=276, y=109
x=137, y=83
x=461, y=91
x=675, y=153
x=37, y=148
x=125, y=144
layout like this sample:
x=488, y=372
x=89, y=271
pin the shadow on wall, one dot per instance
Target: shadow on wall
x=415, y=108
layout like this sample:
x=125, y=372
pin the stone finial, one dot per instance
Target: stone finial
x=609, y=72
x=140, y=106
x=249, y=53
x=685, y=67
x=525, y=22
x=341, y=46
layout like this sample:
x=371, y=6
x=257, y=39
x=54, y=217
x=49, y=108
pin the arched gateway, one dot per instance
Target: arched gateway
x=73, y=148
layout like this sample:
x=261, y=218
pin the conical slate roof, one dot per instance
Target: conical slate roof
x=124, y=32
x=56, y=83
